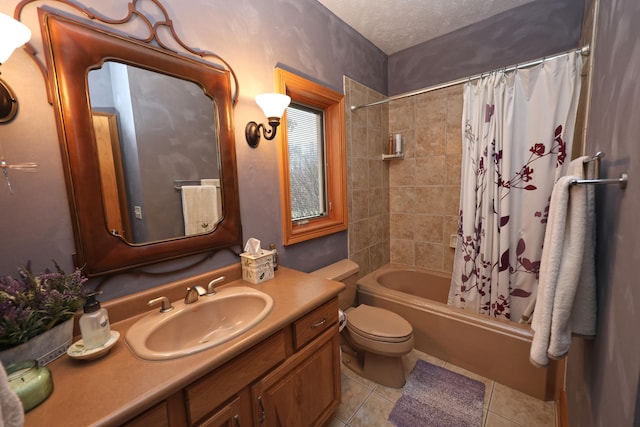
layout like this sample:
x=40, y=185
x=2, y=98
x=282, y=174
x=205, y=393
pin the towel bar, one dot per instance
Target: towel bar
x=178, y=183
x=622, y=181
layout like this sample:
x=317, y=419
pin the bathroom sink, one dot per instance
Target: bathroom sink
x=190, y=328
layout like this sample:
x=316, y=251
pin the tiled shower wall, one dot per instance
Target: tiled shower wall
x=403, y=211
x=424, y=188
x=368, y=178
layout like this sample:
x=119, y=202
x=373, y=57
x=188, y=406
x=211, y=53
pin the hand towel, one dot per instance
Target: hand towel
x=11, y=413
x=550, y=265
x=199, y=208
x=574, y=310
x=565, y=302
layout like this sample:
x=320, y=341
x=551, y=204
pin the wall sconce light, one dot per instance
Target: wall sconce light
x=273, y=106
x=13, y=34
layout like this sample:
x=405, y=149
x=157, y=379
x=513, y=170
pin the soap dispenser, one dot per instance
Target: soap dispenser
x=94, y=323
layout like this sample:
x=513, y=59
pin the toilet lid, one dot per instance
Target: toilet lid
x=378, y=323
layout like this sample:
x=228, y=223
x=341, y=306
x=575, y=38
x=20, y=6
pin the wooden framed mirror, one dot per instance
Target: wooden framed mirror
x=107, y=206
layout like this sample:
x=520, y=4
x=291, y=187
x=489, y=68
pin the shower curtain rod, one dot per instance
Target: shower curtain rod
x=584, y=51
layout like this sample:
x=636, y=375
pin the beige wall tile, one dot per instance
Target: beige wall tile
x=451, y=200
x=402, y=172
x=402, y=199
x=401, y=226
x=402, y=251
x=376, y=200
x=359, y=206
x=401, y=115
x=378, y=141
x=360, y=173
x=359, y=145
x=376, y=171
x=428, y=228
x=359, y=235
x=430, y=140
x=412, y=204
x=430, y=200
x=408, y=143
x=431, y=107
x=376, y=229
x=367, y=178
x=455, y=101
x=429, y=255
x=454, y=165
x=362, y=259
x=448, y=257
x=450, y=226
x=454, y=139
x=378, y=255
x=430, y=170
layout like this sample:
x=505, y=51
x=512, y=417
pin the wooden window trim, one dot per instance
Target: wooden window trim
x=305, y=92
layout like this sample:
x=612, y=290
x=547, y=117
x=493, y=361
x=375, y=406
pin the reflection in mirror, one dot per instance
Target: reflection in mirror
x=158, y=151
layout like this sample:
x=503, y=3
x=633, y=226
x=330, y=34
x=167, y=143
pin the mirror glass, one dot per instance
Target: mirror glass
x=158, y=149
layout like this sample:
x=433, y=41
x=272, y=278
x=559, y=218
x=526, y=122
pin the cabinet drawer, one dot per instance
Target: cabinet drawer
x=208, y=393
x=313, y=324
x=158, y=416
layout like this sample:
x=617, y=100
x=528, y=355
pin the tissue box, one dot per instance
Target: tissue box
x=257, y=268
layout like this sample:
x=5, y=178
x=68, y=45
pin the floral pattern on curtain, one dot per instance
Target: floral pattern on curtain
x=518, y=129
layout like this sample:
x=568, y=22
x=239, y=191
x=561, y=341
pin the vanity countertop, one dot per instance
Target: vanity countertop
x=114, y=388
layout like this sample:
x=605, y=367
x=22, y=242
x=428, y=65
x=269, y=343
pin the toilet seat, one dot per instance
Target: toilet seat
x=378, y=324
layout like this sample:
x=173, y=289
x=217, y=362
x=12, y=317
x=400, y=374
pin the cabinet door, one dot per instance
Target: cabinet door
x=305, y=390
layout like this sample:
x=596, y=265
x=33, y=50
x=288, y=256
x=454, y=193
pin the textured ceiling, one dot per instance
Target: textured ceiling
x=394, y=25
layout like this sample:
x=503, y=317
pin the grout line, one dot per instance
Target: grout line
x=360, y=406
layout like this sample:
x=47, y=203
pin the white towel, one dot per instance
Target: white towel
x=565, y=300
x=199, y=208
x=11, y=413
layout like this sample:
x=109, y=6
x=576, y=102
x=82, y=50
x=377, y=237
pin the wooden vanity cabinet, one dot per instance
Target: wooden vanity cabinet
x=305, y=389
x=291, y=379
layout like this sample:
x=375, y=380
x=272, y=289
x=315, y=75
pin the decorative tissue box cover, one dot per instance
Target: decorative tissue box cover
x=257, y=268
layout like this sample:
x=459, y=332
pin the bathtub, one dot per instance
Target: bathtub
x=496, y=349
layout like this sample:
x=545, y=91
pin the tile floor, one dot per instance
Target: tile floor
x=367, y=404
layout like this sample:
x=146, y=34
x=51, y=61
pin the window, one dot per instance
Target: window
x=313, y=172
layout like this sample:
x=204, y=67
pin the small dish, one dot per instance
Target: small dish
x=77, y=350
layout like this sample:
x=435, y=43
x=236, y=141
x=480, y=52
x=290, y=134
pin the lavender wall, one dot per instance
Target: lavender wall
x=603, y=377
x=253, y=36
x=539, y=28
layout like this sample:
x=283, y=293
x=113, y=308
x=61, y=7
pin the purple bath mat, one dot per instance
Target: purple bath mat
x=436, y=397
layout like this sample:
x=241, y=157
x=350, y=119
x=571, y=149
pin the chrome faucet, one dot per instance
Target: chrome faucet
x=166, y=304
x=210, y=290
x=193, y=294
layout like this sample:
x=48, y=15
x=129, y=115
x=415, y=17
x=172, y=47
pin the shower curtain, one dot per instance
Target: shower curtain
x=517, y=133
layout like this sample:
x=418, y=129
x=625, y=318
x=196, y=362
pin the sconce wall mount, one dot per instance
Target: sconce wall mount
x=273, y=106
x=8, y=103
x=13, y=34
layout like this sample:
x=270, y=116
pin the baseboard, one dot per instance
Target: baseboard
x=561, y=410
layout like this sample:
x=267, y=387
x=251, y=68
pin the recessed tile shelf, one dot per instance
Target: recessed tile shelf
x=398, y=156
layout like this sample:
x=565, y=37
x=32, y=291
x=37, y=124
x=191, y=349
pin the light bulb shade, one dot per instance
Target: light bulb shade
x=13, y=34
x=273, y=104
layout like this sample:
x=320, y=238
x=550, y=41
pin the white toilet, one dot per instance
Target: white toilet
x=374, y=339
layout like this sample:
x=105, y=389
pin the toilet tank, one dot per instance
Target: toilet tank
x=345, y=271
